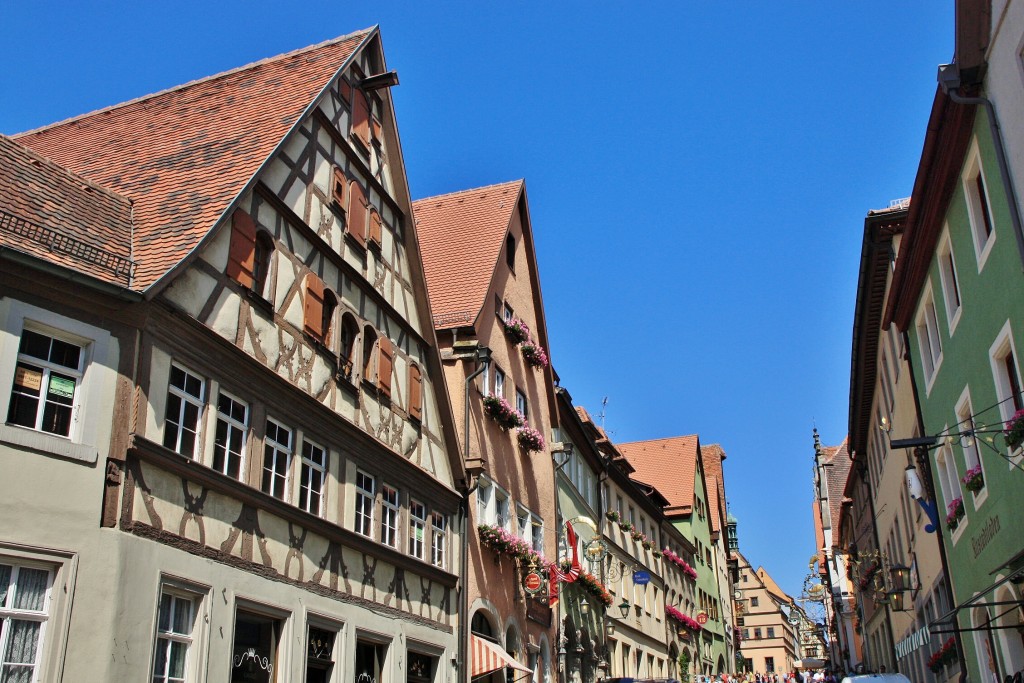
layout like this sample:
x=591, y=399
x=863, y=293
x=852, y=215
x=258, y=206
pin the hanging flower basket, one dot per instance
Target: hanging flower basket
x=530, y=439
x=612, y=516
x=974, y=480
x=1014, y=431
x=534, y=354
x=502, y=412
x=516, y=329
x=637, y=536
x=656, y=553
x=626, y=526
x=955, y=512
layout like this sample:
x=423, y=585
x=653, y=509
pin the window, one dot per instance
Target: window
x=361, y=117
x=357, y=213
x=389, y=516
x=754, y=601
x=174, y=626
x=347, y=358
x=242, y=252
x=184, y=408
x=757, y=634
x=415, y=392
x=417, y=528
x=928, y=338
x=369, y=664
x=950, y=285
x=365, y=492
x=531, y=528
x=385, y=364
x=949, y=480
x=978, y=206
x=521, y=404
x=318, y=309
x=499, y=382
x=229, y=442
x=510, y=252
x=769, y=664
x=484, y=493
x=277, y=459
x=965, y=423
x=44, y=395
x=311, y=477
x=24, y=609
x=254, y=651
x=437, y=539
x=771, y=631
x=506, y=312
x=1006, y=373
x=485, y=380
x=320, y=654
x=501, y=511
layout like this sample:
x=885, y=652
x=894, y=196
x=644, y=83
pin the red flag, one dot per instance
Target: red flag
x=575, y=568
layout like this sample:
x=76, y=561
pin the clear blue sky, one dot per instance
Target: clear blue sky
x=698, y=176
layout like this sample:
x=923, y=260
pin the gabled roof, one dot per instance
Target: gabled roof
x=712, y=456
x=183, y=155
x=837, y=471
x=772, y=587
x=55, y=215
x=461, y=236
x=670, y=465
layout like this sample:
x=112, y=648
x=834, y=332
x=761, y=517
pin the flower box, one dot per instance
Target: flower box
x=626, y=526
x=1014, y=432
x=534, y=354
x=502, y=412
x=954, y=513
x=612, y=516
x=974, y=480
x=516, y=330
x=530, y=439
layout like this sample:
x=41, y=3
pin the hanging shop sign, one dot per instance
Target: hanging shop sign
x=532, y=583
x=641, y=577
x=702, y=618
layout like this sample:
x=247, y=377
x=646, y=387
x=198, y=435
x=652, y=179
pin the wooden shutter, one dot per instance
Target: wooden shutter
x=314, y=306
x=361, y=117
x=357, y=212
x=385, y=357
x=345, y=90
x=415, y=392
x=242, y=251
x=375, y=227
x=339, y=184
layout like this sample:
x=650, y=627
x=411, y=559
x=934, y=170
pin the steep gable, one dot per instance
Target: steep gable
x=60, y=217
x=670, y=465
x=183, y=155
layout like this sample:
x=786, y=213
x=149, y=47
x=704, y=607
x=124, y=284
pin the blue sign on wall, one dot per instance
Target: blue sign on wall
x=641, y=577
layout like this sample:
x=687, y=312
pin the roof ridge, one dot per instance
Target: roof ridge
x=78, y=178
x=466, y=191
x=663, y=438
x=197, y=81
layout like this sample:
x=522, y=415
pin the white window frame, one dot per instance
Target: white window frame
x=973, y=168
x=47, y=367
x=949, y=477
x=438, y=539
x=275, y=451
x=365, y=500
x=485, y=379
x=950, y=281
x=969, y=445
x=9, y=613
x=1002, y=347
x=417, y=529
x=390, y=508
x=499, y=382
x=502, y=516
x=929, y=343
x=191, y=640
x=232, y=423
x=522, y=404
x=311, y=469
x=186, y=399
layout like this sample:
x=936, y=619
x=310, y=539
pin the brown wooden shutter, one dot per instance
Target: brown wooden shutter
x=375, y=227
x=361, y=116
x=385, y=357
x=357, y=212
x=415, y=392
x=314, y=306
x=346, y=91
x=242, y=252
x=338, y=186
x=377, y=130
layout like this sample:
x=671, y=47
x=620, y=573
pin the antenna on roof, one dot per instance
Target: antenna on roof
x=604, y=405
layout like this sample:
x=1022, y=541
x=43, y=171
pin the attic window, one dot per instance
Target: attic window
x=339, y=184
x=361, y=117
x=510, y=252
x=242, y=250
x=415, y=392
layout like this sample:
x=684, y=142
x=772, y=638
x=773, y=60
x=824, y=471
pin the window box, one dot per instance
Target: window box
x=516, y=330
x=502, y=412
x=534, y=354
x=1014, y=432
x=974, y=480
x=530, y=439
x=955, y=512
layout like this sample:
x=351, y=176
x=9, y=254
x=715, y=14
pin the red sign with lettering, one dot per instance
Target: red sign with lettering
x=532, y=582
x=702, y=618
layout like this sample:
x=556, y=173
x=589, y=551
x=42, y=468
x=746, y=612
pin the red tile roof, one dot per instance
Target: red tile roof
x=669, y=465
x=838, y=465
x=183, y=155
x=461, y=236
x=712, y=456
x=55, y=215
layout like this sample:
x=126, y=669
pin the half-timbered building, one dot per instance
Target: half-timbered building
x=227, y=437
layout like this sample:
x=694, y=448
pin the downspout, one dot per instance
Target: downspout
x=484, y=359
x=925, y=463
x=949, y=79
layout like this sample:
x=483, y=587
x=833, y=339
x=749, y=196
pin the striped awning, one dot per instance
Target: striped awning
x=488, y=657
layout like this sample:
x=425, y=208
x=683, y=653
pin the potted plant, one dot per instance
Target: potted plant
x=534, y=354
x=974, y=480
x=626, y=526
x=955, y=512
x=502, y=412
x=612, y=516
x=516, y=330
x=1014, y=432
x=530, y=439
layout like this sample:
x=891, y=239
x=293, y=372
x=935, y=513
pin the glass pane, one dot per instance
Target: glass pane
x=165, y=612
x=21, y=643
x=35, y=344
x=56, y=419
x=183, y=616
x=177, y=661
x=177, y=377
x=5, y=580
x=65, y=354
x=16, y=674
x=160, y=661
x=31, y=589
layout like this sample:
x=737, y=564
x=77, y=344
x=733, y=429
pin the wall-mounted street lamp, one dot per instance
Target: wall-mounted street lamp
x=584, y=606
x=624, y=608
x=561, y=453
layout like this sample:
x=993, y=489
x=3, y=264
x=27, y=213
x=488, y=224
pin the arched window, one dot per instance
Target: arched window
x=347, y=352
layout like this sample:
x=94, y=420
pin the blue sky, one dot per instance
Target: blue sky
x=698, y=175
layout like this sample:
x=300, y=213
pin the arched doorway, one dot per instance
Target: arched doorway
x=1009, y=639
x=481, y=625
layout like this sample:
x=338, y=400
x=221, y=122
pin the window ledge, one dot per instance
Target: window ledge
x=47, y=444
x=258, y=301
